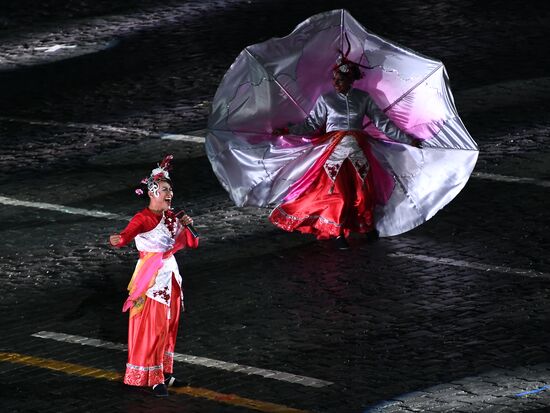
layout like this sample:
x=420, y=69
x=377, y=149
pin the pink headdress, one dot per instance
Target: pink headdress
x=160, y=173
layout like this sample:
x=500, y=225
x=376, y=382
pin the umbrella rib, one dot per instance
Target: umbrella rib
x=406, y=93
x=342, y=30
x=412, y=88
x=278, y=83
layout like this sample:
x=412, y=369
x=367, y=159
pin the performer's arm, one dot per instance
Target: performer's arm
x=184, y=237
x=312, y=123
x=134, y=227
x=386, y=125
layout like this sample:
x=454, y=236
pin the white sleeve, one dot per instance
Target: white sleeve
x=314, y=121
x=385, y=124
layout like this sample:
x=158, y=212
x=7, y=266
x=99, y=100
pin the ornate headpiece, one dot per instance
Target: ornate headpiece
x=158, y=174
x=344, y=65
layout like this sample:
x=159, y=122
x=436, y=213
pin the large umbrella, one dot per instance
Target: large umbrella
x=278, y=81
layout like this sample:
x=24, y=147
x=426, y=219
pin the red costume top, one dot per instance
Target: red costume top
x=146, y=220
x=157, y=238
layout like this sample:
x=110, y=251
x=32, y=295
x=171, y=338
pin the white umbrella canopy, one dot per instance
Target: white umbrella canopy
x=278, y=81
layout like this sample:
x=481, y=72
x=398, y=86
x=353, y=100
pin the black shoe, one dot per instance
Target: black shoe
x=171, y=381
x=372, y=236
x=160, y=390
x=342, y=243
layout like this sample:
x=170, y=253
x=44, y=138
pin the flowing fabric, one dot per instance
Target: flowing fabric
x=154, y=269
x=340, y=203
x=383, y=182
x=146, y=269
x=330, y=208
x=151, y=341
x=282, y=79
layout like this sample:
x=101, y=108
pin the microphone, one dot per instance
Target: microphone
x=190, y=227
x=192, y=230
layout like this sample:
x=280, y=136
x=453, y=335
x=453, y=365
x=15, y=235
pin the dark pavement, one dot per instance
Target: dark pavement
x=452, y=316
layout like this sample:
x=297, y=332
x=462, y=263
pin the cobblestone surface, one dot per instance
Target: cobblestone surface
x=393, y=334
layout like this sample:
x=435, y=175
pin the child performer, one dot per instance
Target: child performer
x=155, y=293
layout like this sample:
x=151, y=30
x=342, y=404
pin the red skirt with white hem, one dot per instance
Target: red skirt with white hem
x=151, y=341
x=329, y=208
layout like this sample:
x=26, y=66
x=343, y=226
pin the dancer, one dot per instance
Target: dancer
x=336, y=172
x=155, y=293
x=337, y=195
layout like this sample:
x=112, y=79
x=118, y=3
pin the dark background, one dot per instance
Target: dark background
x=426, y=336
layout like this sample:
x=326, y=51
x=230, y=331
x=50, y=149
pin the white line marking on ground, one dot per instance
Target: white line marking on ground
x=77, y=125
x=419, y=257
x=184, y=138
x=186, y=358
x=512, y=179
x=55, y=48
x=115, y=129
x=192, y=137
x=475, y=265
x=62, y=208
